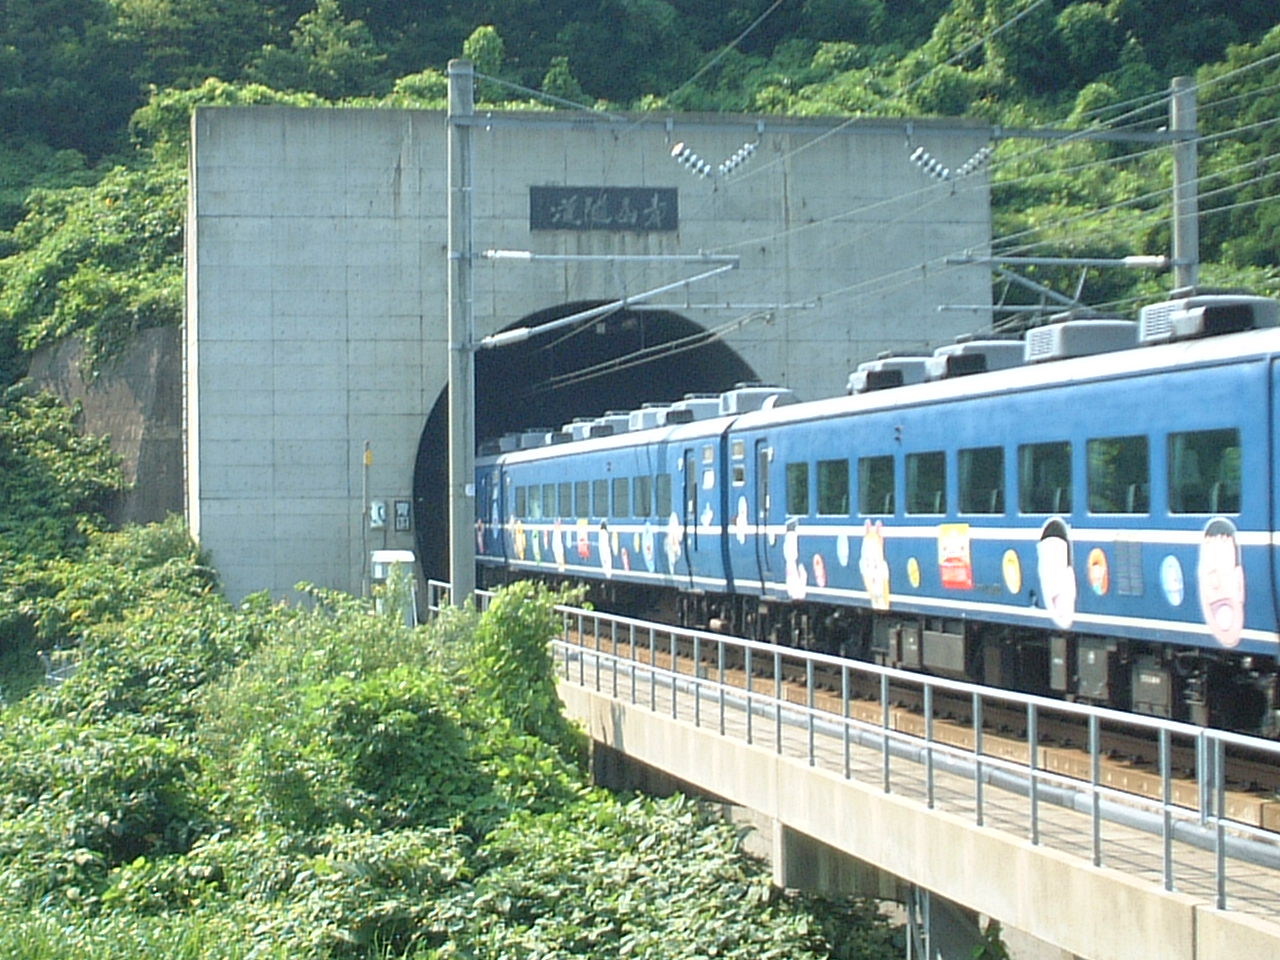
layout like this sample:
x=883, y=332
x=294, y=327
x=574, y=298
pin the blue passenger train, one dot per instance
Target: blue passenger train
x=1089, y=512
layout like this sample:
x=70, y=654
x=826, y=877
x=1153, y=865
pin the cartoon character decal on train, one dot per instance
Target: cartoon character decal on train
x=1220, y=579
x=1056, y=575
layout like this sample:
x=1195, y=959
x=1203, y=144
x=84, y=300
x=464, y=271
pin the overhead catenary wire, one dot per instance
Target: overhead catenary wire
x=888, y=282
x=659, y=351
x=1133, y=201
x=930, y=194
x=724, y=51
x=997, y=163
x=900, y=277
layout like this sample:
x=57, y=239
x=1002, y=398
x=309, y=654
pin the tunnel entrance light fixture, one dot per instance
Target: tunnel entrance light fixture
x=723, y=263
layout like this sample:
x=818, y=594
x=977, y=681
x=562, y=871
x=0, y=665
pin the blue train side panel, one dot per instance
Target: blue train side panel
x=643, y=508
x=1155, y=568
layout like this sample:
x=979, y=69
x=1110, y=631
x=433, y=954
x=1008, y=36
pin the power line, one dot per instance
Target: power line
x=1248, y=95
x=1132, y=201
x=660, y=351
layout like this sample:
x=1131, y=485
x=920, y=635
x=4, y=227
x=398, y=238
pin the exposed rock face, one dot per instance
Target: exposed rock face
x=136, y=400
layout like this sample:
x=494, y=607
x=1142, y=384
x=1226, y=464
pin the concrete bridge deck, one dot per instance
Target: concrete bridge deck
x=1089, y=885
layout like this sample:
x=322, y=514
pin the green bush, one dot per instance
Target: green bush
x=80, y=800
x=645, y=878
x=511, y=668
x=375, y=750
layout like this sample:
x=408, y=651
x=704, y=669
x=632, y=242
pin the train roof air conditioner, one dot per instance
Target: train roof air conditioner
x=1079, y=338
x=887, y=371
x=744, y=398
x=973, y=356
x=616, y=421
x=1205, y=315
x=649, y=415
x=703, y=406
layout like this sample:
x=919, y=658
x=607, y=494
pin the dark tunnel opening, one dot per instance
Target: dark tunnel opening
x=614, y=363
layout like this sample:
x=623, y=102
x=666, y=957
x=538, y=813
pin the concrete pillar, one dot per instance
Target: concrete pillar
x=800, y=862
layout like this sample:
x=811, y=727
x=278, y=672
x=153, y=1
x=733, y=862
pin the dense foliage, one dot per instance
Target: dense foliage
x=322, y=781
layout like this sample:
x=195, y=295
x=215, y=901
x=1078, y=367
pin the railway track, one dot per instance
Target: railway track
x=1130, y=761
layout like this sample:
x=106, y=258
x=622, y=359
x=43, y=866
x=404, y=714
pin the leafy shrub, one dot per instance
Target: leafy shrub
x=78, y=801
x=147, y=629
x=53, y=481
x=374, y=750
x=322, y=781
x=104, y=260
x=511, y=668
x=369, y=894
x=646, y=878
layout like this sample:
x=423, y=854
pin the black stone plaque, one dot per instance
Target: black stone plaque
x=603, y=208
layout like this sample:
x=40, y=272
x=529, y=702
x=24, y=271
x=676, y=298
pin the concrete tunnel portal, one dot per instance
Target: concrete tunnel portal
x=617, y=362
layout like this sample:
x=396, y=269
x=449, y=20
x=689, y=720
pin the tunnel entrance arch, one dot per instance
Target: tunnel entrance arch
x=615, y=362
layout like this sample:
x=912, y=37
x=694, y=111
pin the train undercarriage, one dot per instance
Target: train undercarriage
x=1206, y=688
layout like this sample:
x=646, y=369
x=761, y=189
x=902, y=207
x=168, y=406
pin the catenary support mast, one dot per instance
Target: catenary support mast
x=462, y=431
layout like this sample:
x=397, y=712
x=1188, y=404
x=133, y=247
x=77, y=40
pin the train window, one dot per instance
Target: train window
x=739, y=474
x=833, y=488
x=982, y=480
x=600, y=498
x=548, y=500
x=739, y=449
x=1119, y=475
x=927, y=482
x=1044, y=478
x=708, y=454
x=1204, y=472
x=642, y=499
x=522, y=502
x=581, y=498
x=798, y=489
x=565, y=506
x=621, y=497
x=663, y=488
x=875, y=485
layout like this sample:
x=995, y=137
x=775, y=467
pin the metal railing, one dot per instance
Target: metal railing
x=955, y=746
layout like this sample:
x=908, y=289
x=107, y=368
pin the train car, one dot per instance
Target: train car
x=1100, y=527
x=636, y=507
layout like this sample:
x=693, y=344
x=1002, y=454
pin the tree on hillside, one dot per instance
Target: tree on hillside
x=329, y=56
x=64, y=76
x=180, y=42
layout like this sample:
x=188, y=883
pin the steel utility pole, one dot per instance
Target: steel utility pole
x=462, y=427
x=1186, y=208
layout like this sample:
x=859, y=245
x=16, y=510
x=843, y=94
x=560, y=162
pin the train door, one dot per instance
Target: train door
x=689, y=520
x=1272, y=485
x=763, y=459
